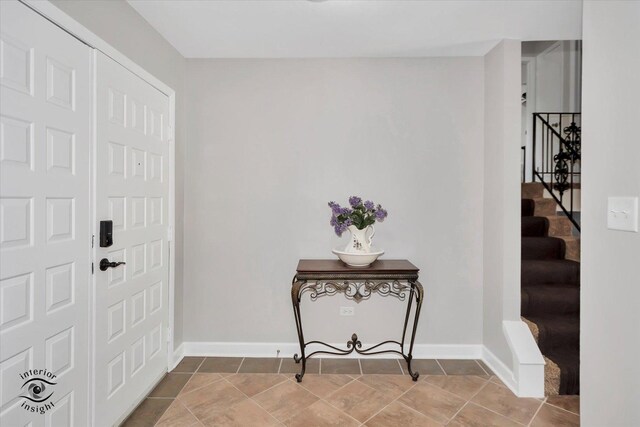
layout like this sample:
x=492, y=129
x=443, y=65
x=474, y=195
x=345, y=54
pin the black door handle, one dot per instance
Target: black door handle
x=105, y=263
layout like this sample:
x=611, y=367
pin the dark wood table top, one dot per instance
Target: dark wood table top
x=335, y=266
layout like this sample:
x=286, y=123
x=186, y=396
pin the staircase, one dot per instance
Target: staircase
x=550, y=280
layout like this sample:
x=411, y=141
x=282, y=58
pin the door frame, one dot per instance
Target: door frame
x=49, y=11
x=530, y=62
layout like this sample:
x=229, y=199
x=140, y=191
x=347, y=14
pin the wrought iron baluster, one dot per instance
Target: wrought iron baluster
x=558, y=166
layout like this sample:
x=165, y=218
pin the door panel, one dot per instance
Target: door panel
x=131, y=190
x=550, y=80
x=45, y=142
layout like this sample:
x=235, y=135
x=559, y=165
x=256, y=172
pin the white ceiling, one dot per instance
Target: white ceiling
x=338, y=29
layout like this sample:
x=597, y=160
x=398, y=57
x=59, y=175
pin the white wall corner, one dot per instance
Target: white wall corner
x=178, y=355
x=528, y=363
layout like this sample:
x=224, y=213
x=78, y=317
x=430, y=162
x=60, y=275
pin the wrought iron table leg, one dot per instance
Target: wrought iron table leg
x=406, y=320
x=295, y=300
x=419, y=293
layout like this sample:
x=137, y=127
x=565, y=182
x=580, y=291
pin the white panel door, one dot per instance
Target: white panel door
x=132, y=190
x=550, y=80
x=45, y=240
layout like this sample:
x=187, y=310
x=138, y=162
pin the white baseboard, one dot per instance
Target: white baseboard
x=178, y=355
x=501, y=370
x=246, y=349
x=528, y=363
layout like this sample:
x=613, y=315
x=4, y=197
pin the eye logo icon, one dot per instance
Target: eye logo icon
x=37, y=390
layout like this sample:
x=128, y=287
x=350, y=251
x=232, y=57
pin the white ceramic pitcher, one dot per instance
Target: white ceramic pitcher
x=359, y=242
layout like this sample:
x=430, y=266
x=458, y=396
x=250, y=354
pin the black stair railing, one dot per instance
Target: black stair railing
x=555, y=158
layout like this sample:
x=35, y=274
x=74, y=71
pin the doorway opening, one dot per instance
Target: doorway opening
x=550, y=227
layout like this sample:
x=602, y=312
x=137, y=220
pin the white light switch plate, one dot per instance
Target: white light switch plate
x=622, y=213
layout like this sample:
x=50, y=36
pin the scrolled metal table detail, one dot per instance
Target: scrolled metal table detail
x=358, y=288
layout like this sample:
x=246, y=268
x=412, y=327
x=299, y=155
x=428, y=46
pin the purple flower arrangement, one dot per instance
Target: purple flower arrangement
x=359, y=214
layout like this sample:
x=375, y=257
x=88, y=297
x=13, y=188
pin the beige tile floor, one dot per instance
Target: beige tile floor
x=342, y=392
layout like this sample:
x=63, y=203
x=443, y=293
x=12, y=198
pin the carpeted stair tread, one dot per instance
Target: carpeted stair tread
x=534, y=226
x=544, y=207
x=527, y=207
x=543, y=248
x=550, y=271
x=556, y=331
x=550, y=299
x=531, y=190
x=559, y=226
x=568, y=360
x=572, y=244
x=550, y=288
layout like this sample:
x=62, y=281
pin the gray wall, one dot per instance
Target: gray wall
x=121, y=26
x=610, y=337
x=272, y=141
x=501, y=222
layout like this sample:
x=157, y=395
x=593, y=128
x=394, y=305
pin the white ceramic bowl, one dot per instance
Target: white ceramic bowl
x=358, y=260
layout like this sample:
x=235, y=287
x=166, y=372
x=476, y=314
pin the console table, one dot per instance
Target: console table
x=395, y=278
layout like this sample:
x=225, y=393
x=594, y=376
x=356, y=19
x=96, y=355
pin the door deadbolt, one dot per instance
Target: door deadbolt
x=106, y=233
x=105, y=263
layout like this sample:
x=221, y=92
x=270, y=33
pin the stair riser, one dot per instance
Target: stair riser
x=545, y=207
x=549, y=341
x=527, y=207
x=568, y=363
x=559, y=226
x=541, y=273
x=556, y=336
x=566, y=301
x=542, y=248
x=573, y=249
x=534, y=226
x=531, y=190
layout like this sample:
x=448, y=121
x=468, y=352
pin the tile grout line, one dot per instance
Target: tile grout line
x=179, y=391
x=184, y=385
x=535, y=415
x=173, y=399
x=333, y=392
x=401, y=369
x=497, y=413
x=385, y=406
x=341, y=411
x=251, y=398
x=200, y=365
x=546, y=401
x=467, y=402
x=194, y=415
x=280, y=365
x=338, y=409
x=451, y=393
x=266, y=389
x=416, y=411
x=438, y=362
x=481, y=367
x=265, y=409
x=360, y=365
x=488, y=409
x=220, y=378
x=240, y=365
